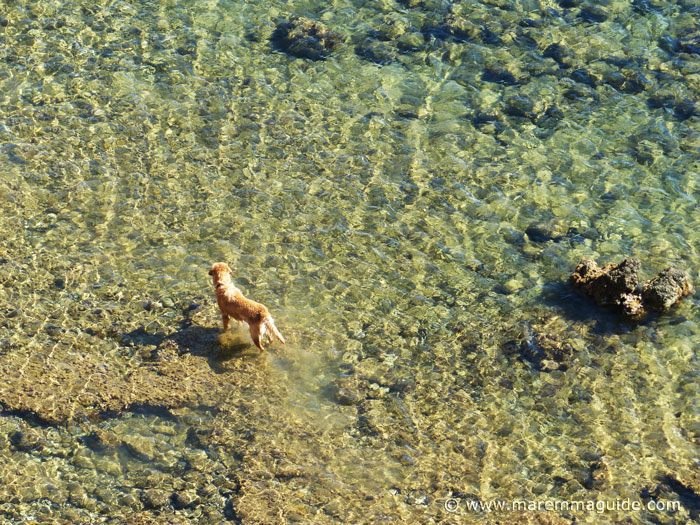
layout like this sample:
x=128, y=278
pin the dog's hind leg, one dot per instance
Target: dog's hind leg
x=256, y=335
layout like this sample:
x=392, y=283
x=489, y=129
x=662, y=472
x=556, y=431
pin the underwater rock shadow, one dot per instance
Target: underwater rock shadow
x=574, y=306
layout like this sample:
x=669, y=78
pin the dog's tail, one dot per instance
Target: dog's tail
x=270, y=325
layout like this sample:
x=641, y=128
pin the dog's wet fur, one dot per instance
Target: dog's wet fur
x=234, y=305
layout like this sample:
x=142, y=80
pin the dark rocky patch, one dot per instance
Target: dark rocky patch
x=684, y=109
x=406, y=47
x=188, y=49
x=411, y=3
x=304, y=38
x=541, y=232
x=52, y=25
x=575, y=94
x=557, y=53
x=550, y=118
x=568, y=4
x=551, y=348
x=661, y=102
x=366, y=427
x=347, y=397
x=155, y=498
x=375, y=52
x=101, y=440
x=490, y=38
x=523, y=39
x=402, y=386
x=541, y=347
x=520, y=106
x=410, y=115
x=627, y=82
x=584, y=77
x=669, y=44
x=371, y=115
x=643, y=156
x=381, y=36
x=445, y=32
x=598, y=475
x=529, y=22
x=690, y=45
x=488, y=123
x=621, y=62
x=645, y=7
x=25, y=441
x=497, y=76
x=593, y=15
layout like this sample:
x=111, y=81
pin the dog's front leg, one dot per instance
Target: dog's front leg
x=225, y=319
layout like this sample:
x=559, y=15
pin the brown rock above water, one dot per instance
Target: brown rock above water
x=617, y=286
x=666, y=289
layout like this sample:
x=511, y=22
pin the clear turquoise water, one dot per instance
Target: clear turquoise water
x=379, y=211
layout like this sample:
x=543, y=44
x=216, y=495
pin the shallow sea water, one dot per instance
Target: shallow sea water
x=377, y=202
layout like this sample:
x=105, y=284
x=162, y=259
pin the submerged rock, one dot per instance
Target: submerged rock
x=25, y=442
x=304, y=38
x=557, y=53
x=545, y=343
x=101, y=440
x=584, y=77
x=682, y=109
x=445, y=31
x=499, y=76
x=617, y=285
x=598, y=475
x=645, y=7
x=375, y=52
x=627, y=82
x=593, y=14
x=520, y=106
x=347, y=397
x=155, y=498
x=542, y=232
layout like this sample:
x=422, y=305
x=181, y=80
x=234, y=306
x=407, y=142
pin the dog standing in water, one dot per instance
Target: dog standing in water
x=233, y=304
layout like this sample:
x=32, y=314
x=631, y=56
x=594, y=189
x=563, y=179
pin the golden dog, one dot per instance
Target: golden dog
x=234, y=305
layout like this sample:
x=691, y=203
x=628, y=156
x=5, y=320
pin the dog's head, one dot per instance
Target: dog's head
x=220, y=271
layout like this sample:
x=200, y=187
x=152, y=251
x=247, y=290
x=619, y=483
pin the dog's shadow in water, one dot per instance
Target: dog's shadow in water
x=215, y=346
